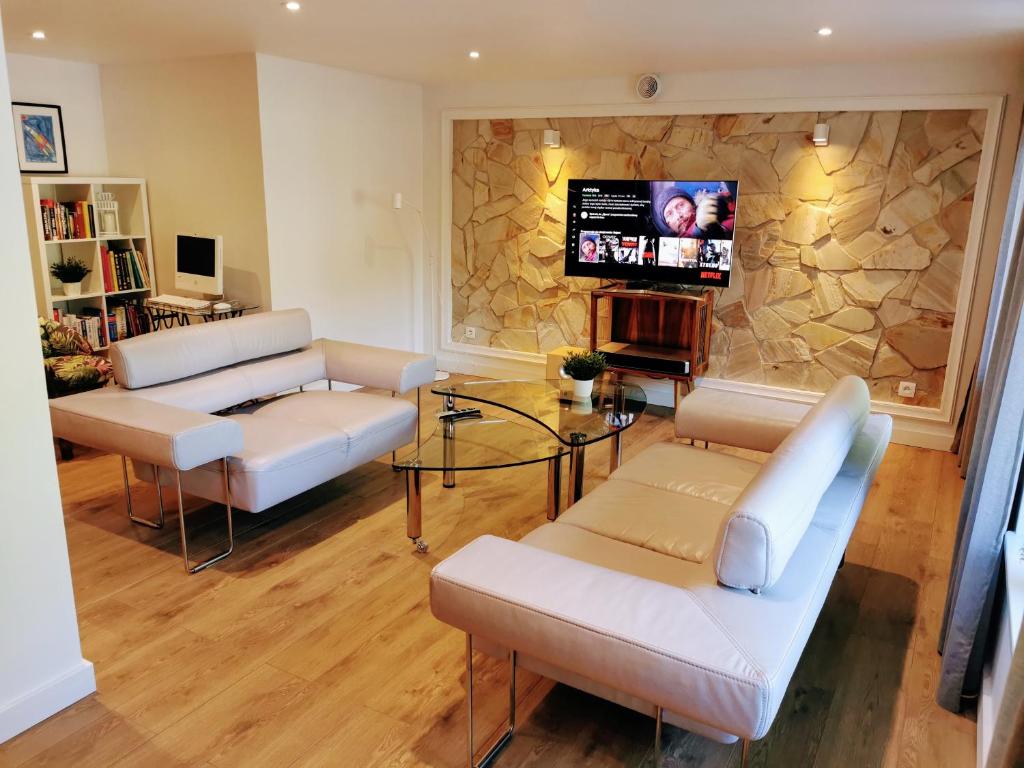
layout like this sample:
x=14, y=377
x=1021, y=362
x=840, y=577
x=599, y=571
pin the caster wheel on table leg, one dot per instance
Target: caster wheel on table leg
x=421, y=546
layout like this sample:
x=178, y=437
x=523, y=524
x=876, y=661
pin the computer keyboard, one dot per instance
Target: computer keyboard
x=180, y=301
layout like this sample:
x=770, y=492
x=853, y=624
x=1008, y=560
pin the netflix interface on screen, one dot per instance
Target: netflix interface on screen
x=671, y=231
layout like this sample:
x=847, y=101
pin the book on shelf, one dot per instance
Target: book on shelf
x=67, y=221
x=88, y=323
x=124, y=269
x=123, y=321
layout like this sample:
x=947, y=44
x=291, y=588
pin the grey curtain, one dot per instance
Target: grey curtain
x=993, y=474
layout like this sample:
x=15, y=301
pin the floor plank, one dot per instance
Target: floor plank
x=313, y=645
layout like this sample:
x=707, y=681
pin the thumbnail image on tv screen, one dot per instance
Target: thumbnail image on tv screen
x=662, y=231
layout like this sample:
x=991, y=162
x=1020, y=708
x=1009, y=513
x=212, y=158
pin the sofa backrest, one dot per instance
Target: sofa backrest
x=770, y=517
x=178, y=353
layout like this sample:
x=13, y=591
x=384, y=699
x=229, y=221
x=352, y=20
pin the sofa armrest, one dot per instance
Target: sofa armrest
x=145, y=430
x=733, y=418
x=377, y=367
x=650, y=640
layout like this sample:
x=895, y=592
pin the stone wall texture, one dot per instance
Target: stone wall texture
x=848, y=256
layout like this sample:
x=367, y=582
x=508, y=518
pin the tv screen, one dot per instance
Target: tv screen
x=658, y=231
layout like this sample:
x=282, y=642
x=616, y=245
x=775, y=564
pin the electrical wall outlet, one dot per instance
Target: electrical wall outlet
x=907, y=389
x=470, y=332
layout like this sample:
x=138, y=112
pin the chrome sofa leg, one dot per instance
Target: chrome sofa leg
x=507, y=736
x=658, y=717
x=128, y=497
x=745, y=754
x=181, y=523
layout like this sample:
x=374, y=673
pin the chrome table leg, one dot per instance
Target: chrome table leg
x=414, y=509
x=554, y=487
x=181, y=523
x=128, y=497
x=448, y=476
x=577, y=455
x=615, y=451
x=502, y=740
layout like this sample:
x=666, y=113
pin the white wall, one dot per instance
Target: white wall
x=75, y=87
x=41, y=664
x=190, y=127
x=737, y=91
x=336, y=146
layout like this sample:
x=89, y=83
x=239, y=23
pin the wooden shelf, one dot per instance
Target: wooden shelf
x=652, y=333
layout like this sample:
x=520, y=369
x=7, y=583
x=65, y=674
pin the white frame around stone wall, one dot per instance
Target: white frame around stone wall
x=928, y=427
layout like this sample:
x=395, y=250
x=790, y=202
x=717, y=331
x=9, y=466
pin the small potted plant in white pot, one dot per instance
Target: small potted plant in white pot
x=583, y=368
x=70, y=271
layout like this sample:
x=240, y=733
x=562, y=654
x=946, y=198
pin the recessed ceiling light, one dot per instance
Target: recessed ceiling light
x=39, y=35
x=474, y=54
x=825, y=31
x=292, y=6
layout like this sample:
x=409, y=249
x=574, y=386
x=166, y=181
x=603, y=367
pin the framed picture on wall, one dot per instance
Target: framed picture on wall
x=39, y=134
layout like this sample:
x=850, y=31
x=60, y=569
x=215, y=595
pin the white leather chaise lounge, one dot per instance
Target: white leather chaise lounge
x=170, y=386
x=687, y=585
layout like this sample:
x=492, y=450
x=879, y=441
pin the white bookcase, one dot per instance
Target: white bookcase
x=133, y=215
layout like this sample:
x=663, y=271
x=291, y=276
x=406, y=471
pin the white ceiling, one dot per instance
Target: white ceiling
x=427, y=40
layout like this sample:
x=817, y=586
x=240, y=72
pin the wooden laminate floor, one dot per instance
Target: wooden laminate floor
x=313, y=645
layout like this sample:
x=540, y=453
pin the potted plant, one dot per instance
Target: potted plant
x=583, y=368
x=70, y=271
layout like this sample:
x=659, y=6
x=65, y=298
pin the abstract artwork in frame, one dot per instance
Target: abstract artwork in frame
x=39, y=134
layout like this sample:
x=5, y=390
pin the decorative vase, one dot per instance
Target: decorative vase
x=73, y=289
x=581, y=390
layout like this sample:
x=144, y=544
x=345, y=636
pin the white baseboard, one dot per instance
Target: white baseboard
x=908, y=429
x=46, y=700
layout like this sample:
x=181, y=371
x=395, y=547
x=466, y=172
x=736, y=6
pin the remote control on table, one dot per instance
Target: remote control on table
x=460, y=413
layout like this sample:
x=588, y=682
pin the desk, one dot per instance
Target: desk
x=167, y=315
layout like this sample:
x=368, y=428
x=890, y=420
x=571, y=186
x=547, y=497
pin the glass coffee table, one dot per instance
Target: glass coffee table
x=544, y=423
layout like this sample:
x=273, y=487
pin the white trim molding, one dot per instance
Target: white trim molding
x=914, y=425
x=46, y=700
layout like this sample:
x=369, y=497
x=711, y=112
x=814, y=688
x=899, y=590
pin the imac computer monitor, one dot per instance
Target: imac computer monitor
x=199, y=264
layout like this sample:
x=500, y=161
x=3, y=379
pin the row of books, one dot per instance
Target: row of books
x=123, y=321
x=124, y=269
x=88, y=323
x=67, y=221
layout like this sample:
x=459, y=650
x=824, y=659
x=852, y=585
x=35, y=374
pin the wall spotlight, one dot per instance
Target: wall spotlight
x=820, y=137
x=552, y=138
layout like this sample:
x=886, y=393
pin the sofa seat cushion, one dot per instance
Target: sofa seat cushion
x=279, y=459
x=372, y=424
x=662, y=521
x=670, y=498
x=702, y=474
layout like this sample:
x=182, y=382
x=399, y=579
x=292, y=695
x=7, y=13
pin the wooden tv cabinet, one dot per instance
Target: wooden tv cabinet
x=652, y=333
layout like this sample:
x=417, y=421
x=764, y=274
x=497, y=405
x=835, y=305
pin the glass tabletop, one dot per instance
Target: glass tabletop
x=611, y=408
x=235, y=306
x=486, y=443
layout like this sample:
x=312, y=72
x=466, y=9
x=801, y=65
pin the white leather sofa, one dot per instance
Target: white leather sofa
x=175, y=410
x=685, y=586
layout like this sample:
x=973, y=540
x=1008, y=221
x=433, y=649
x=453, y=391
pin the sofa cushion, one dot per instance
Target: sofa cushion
x=177, y=353
x=771, y=516
x=670, y=498
x=373, y=424
x=280, y=458
x=733, y=418
x=695, y=472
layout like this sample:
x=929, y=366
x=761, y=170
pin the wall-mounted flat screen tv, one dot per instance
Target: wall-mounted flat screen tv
x=651, y=231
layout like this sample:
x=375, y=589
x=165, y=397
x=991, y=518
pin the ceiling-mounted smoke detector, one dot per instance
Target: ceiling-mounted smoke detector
x=648, y=86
